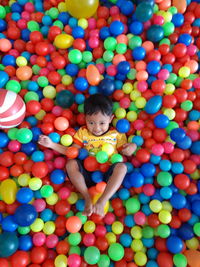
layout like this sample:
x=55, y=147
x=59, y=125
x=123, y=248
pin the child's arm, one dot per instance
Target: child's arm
x=47, y=142
x=128, y=149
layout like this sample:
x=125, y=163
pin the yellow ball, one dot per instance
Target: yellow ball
x=21, y=61
x=134, y=95
x=140, y=102
x=23, y=179
x=114, y=122
x=108, y=148
x=169, y=89
x=167, y=206
x=61, y=261
x=73, y=197
x=37, y=225
x=49, y=228
x=35, y=183
x=120, y=113
x=83, y=23
x=155, y=205
x=63, y=41
x=62, y=7
x=167, y=16
x=136, y=245
x=40, y=115
x=66, y=140
x=117, y=228
x=127, y=88
x=131, y=116
x=49, y=91
x=164, y=216
x=111, y=238
x=66, y=79
x=184, y=72
x=192, y=243
x=52, y=199
x=136, y=232
x=89, y=227
x=140, y=258
x=195, y=175
x=96, y=197
x=170, y=113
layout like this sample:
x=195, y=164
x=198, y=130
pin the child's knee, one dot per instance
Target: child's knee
x=121, y=167
x=71, y=164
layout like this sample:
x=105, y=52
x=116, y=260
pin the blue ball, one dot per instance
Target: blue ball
x=25, y=242
x=25, y=215
x=3, y=25
x=143, y=198
x=124, y=67
x=64, y=17
x=37, y=156
x=9, y=224
x=136, y=179
x=47, y=20
x=83, y=153
x=153, y=67
x=28, y=148
x=104, y=33
x=25, y=34
x=116, y=28
x=166, y=192
x=55, y=137
x=4, y=140
x=3, y=78
x=79, y=99
x=138, y=140
x=177, y=167
x=185, y=231
x=81, y=84
x=152, y=264
x=178, y=201
x=155, y=159
x=165, y=165
x=174, y=244
x=97, y=177
x=46, y=215
x=78, y=32
x=129, y=221
x=185, y=38
x=36, y=131
x=123, y=193
x=195, y=147
x=148, y=169
x=144, y=11
x=136, y=27
x=24, y=195
x=107, y=87
x=139, y=53
x=71, y=69
x=127, y=8
x=194, y=115
x=152, y=253
x=185, y=143
x=178, y=19
x=57, y=176
x=80, y=204
x=123, y=126
x=177, y=134
x=153, y=105
x=161, y=121
x=9, y=244
x=155, y=33
x=196, y=207
x=8, y=60
x=125, y=240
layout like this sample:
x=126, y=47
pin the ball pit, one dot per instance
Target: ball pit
x=144, y=55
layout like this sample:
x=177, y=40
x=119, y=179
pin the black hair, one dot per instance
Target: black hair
x=98, y=103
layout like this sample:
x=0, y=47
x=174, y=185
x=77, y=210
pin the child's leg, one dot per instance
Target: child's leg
x=113, y=184
x=78, y=181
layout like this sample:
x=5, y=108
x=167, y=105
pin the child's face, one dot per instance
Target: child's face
x=98, y=123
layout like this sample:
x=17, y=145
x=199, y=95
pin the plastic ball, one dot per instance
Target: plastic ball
x=25, y=215
x=63, y=41
x=116, y=252
x=106, y=87
x=65, y=99
x=73, y=224
x=144, y=11
x=91, y=255
x=15, y=106
x=9, y=244
x=79, y=9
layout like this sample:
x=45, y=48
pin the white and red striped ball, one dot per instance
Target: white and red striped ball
x=12, y=109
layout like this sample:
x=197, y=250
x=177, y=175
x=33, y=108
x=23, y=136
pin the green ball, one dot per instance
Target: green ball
x=172, y=78
x=164, y=178
x=116, y=158
x=74, y=250
x=53, y=12
x=31, y=96
x=116, y=252
x=24, y=135
x=110, y=43
x=33, y=26
x=168, y=28
x=172, y=125
x=2, y=12
x=163, y=230
x=75, y=56
x=12, y=133
x=108, y=56
x=115, y=106
x=42, y=81
x=64, y=99
x=180, y=260
x=74, y=239
x=132, y=74
x=82, y=217
x=104, y=261
x=23, y=230
x=132, y=205
x=87, y=56
x=46, y=191
x=14, y=86
x=121, y=48
x=134, y=42
x=187, y=105
x=91, y=255
x=147, y=232
x=102, y=157
x=196, y=229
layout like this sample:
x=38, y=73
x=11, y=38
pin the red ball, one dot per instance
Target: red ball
x=91, y=164
x=62, y=207
x=38, y=255
x=42, y=48
x=165, y=259
x=181, y=181
x=143, y=155
x=39, y=169
x=20, y=259
x=33, y=107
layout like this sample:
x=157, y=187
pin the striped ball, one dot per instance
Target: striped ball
x=12, y=109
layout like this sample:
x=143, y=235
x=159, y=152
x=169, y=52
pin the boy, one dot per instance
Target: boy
x=98, y=116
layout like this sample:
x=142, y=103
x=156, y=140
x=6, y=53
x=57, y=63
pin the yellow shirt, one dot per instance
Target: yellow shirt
x=85, y=139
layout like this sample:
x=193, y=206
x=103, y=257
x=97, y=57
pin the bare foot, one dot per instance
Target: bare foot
x=99, y=208
x=88, y=207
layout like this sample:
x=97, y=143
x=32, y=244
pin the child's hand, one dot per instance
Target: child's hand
x=45, y=141
x=128, y=149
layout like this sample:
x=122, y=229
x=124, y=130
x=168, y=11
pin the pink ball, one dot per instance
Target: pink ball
x=50, y=66
x=125, y=102
x=33, y=59
x=168, y=147
x=195, y=158
x=196, y=83
x=22, y=24
x=100, y=230
x=29, y=7
x=92, y=23
x=109, y=218
x=51, y=241
x=50, y=165
x=94, y=33
x=101, y=68
x=194, y=135
x=139, y=218
x=114, y=10
x=25, y=15
x=39, y=239
x=111, y=70
x=48, y=154
x=74, y=260
x=64, y=193
x=93, y=42
x=163, y=74
x=157, y=149
x=89, y=239
x=138, y=124
x=158, y=20
x=142, y=86
x=59, y=162
x=14, y=53
x=57, y=111
x=39, y=204
x=12, y=109
x=44, y=72
x=14, y=146
x=191, y=49
x=148, y=189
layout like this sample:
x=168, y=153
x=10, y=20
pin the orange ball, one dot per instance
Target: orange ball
x=73, y=224
x=72, y=152
x=61, y=123
x=24, y=73
x=5, y=45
